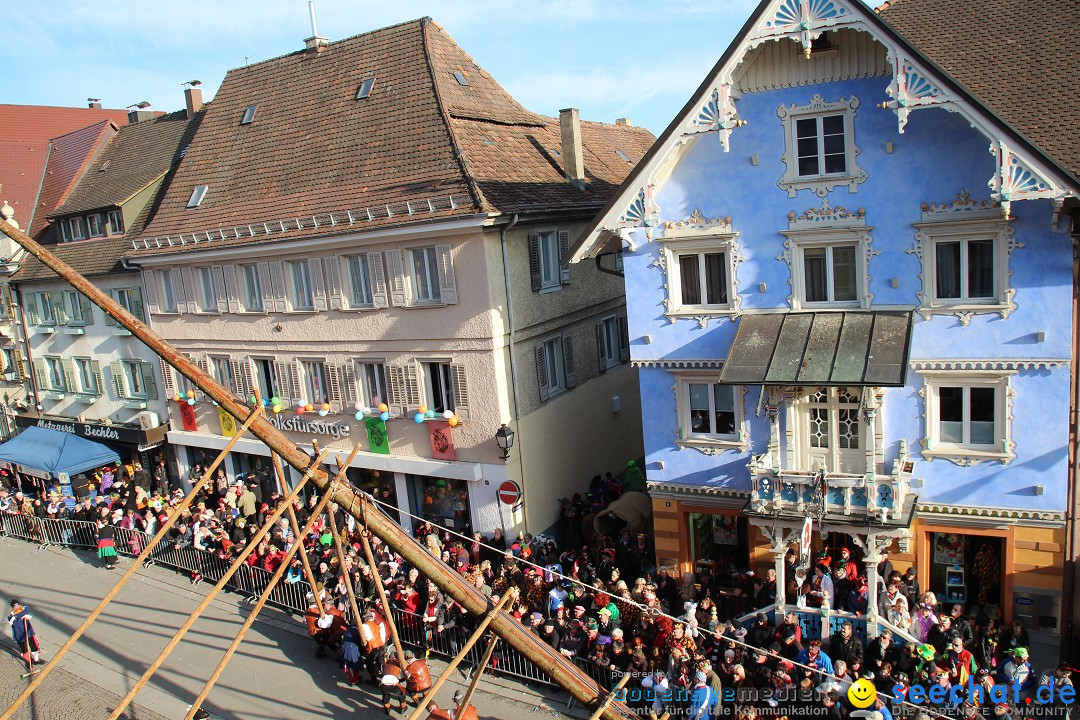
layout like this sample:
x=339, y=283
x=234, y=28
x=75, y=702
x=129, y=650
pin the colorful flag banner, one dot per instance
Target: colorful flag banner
x=228, y=422
x=442, y=441
x=187, y=417
x=377, y=438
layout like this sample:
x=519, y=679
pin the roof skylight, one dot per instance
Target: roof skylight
x=249, y=115
x=620, y=153
x=461, y=79
x=197, y=196
x=364, y=91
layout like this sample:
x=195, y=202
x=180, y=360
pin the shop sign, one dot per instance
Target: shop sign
x=33, y=472
x=93, y=431
x=312, y=427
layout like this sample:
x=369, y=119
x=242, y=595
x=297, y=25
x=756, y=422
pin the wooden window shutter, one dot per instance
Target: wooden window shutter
x=232, y=294
x=119, y=386
x=149, y=384
x=461, y=390
x=378, y=280
x=86, y=308
x=601, y=346
x=395, y=389
x=219, y=288
x=179, y=291
x=277, y=286
x=109, y=320
x=564, y=250
x=295, y=388
x=282, y=387
x=20, y=364
x=447, y=283
x=624, y=340
x=396, y=267
x=60, y=316
x=31, y=306
x=333, y=281
x=70, y=378
x=168, y=381
x=137, y=309
x=203, y=364
x=318, y=285
x=99, y=381
x=542, y=372
x=568, y=361
x=534, y=260
x=150, y=284
x=266, y=286
x=333, y=387
x=241, y=375
x=349, y=392
x=190, y=302
x=412, y=387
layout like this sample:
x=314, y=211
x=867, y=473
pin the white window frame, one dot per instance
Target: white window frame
x=77, y=228
x=75, y=308
x=251, y=289
x=992, y=226
x=168, y=302
x=444, y=370
x=371, y=381
x=797, y=242
x=54, y=373
x=802, y=407
x=11, y=367
x=821, y=183
x=707, y=443
x=553, y=357
x=548, y=247
x=222, y=370
x=314, y=376
x=87, y=380
x=611, y=350
x=95, y=219
x=116, y=222
x=431, y=268
x=700, y=236
x=206, y=299
x=1003, y=449
x=358, y=282
x=292, y=293
x=65, y=231
x=133, y=377
x=45, y=308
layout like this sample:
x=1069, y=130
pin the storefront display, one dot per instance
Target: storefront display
x=443, y=501
x=380, y=484
x=720, y=540
x=966, y=570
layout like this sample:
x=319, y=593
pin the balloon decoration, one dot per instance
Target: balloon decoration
x=323, y=413
x=309, y=407
x=418, y=418
x=358, y=406
x=191, y=401
x=422, y=409
x=384, y=408
x=384, y=416
x=254, y=399
x=447, y=414
x=301, y=409
x=453, y=421
x=176, y=397
x=278, y=408
x=326, y=407
x=359, y=415
x=275, y=401
x=191, y=393
x=430, y=414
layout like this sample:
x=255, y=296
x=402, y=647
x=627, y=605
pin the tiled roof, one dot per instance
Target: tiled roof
x=138, y=155
x=38, y=123
x=420, y=136
x=100, y=256
x=1018, y=57
x=69, y=155
x=21, y=165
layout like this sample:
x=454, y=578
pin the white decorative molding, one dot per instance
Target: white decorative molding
x=717, y=115
x=776, y=65
x=821, y=184
x=1020, y=179
x=975, y=511
x=1010, y=365
x=966, y=455
x=697, y=490
x=641, y=211
x=699, y=234
x=696, y=225
x=800, y=20
x=826, y=216
x=705, y=443
x=965, y=218
x=677, y=364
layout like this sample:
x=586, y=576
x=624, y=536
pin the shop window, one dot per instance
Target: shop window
x=442, y=501
x=379, y=483
x=720, y=542
x=966, y=570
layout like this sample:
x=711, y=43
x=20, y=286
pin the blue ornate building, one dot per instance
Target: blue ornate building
x=843, y=307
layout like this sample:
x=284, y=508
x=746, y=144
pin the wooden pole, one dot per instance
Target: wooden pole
x=250, y=620
x=29, y=658
x=477, y=634
x=464, y=704
x=250, y=548
x=348, y=580
x=583, y=688
x=382, y=596
x=611, y=696
x=174, y=515
x=310, y=576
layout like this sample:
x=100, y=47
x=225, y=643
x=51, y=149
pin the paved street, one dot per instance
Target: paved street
x=273, y=675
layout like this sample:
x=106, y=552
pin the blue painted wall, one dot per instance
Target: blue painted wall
x=938, y=156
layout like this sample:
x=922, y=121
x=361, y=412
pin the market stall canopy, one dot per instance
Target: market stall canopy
x=56, y=452
x=820, y=349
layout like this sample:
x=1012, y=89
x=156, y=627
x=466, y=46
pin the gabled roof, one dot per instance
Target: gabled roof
x=69, y=156
x=1024, y=168
x=139, y=154
x=422, y=146
x=25, y=131
x=1019, y=57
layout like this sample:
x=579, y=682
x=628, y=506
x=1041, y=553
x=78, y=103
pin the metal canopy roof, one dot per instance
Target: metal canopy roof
x=820, y=349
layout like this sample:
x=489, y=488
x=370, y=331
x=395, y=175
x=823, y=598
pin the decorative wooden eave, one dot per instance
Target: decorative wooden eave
x=1022, y=170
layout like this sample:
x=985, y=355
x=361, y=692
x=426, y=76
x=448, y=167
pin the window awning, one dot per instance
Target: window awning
x=820, y=349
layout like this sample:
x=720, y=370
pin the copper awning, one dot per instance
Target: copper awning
x=820, y=349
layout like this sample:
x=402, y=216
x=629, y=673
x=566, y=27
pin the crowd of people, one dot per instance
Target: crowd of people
x=602, y=603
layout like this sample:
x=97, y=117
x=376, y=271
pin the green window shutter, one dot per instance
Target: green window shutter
x=148, y=380
x=99, y=381
x=116, y=369
x=71, y=382
x=542, y=372
x=108, y=318
x=87, y=309
x=568, y=361
x=564, y=249
x=624, y=340
x=31, y=307
x=41, y=374
x=60, y=316
x=534, y=260
x=137, y=308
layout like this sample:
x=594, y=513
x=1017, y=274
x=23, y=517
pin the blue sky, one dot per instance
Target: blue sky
x=610, y=59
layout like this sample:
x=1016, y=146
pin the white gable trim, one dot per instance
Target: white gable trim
x=1019, y=175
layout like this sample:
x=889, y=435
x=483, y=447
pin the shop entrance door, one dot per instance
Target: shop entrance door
x=442, y=501
x=967, y=570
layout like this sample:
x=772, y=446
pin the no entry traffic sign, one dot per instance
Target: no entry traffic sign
x=509, y=492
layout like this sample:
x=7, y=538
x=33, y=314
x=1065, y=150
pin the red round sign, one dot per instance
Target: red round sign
x=509, y=492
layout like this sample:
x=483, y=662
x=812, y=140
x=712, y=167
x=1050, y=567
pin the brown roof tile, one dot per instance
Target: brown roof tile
x=100, y=256
x=69, y=157
x=314, y=149
x=1018, y=57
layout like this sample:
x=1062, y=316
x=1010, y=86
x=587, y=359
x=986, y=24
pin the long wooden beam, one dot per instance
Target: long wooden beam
x=561, y=670
x=308, y=574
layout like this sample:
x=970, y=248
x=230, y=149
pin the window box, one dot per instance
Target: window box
x=968, y=416
x=820, y=151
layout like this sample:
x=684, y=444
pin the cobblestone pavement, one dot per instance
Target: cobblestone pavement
x=63, y=695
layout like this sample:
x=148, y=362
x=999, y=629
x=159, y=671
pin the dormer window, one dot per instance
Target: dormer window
x=96, y=225
x=116, y=222
x=249, y=115
x=364, y=91
x=77, y=228
x=197, y=196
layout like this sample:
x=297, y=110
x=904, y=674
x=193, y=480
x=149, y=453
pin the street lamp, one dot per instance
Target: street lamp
x=504, y=436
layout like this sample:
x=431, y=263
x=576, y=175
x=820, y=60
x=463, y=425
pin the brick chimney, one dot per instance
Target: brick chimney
x=193, y=100
x=573, y=162
x=93, y=103
x=624, y=122
x=316, y=43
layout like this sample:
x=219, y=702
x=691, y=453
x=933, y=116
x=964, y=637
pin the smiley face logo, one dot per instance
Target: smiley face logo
x=862, y=693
